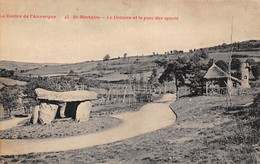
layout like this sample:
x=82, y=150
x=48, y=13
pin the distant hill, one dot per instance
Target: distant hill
x=135, y=66
x=245, y=46
x=13, y=65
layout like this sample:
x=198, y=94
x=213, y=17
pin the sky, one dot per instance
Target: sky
x=200, y=23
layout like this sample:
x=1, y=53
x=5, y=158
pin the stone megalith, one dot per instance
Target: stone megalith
x=75, y=104
x=62, y=107
x=69, y=96
x=83, y=111
x=47, y=113
x=35, y=115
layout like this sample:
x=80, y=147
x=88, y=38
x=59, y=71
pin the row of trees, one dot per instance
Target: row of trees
x=107, y=57
x=183, y=67
x=6, y=73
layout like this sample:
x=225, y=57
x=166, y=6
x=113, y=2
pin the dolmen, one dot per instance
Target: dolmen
x=74, y=104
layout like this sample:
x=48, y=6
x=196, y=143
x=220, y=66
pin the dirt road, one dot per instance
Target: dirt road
x=151, y=117
x=11, y=123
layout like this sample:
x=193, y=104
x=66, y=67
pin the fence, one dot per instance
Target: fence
x=223, y=91
x=4, y=113
x=116, y=94
x=183, y=91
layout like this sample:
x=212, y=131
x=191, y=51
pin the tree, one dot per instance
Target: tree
x=236, y=74
x=6, y=73
x=9, y=98
x=125, y=55
x=174, y=70
x=235, y=64
x=195, y=58
x=251, y=62
x=161, y=63
x=197, y=83
x=204, y=55
x=71, y=72
x=223, y=65
x=256, y=71
x=141, y=80
x=152, y=80
x=107, y=57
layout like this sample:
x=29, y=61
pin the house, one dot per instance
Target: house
x=217, y=81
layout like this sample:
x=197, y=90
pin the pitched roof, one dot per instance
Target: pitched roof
x=214, y=72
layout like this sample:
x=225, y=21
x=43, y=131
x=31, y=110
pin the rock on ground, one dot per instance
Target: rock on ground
x=47, y=113
x=35, y=115
x=83, y=111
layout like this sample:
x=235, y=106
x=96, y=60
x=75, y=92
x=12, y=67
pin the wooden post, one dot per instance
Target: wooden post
x=108, y=95
x=124, y=95
x=207, y=88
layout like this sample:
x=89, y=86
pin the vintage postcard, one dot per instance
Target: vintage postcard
x=140, y=81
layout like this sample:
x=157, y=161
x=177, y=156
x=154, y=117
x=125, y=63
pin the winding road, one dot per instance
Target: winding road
x=150, y=117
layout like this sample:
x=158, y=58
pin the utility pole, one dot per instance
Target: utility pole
x=229, y=82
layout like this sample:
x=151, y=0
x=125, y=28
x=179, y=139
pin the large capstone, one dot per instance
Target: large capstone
x=69, y=96
x=83, y=111
x=47, y=113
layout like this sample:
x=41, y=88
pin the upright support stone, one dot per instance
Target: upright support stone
x=47, y=113
x=35, y=115
x=62, y=110
x=83, y=111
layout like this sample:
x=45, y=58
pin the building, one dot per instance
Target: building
x=217, y=81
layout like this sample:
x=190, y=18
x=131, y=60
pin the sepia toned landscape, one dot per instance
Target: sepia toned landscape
x=207, y=121
x=135, y=82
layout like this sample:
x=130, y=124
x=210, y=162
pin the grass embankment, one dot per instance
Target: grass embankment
x=205, y=132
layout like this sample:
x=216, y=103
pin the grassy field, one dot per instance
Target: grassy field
x=205, y=132
x=12, y=65
x=99, y=120
x=59, y=128
x=8, y=81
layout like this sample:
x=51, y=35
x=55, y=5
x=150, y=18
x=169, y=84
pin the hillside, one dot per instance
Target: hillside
x=117, y=69
x=18, y=66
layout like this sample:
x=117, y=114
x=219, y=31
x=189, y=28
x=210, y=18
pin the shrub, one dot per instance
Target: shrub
x=256, y=106
x=107, y=57
x=256, y=71
x=6, y=73
x=235, y=64
x=223, y=65
x=9, y=98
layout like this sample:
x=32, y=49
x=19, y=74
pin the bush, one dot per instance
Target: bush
x=144, y=97
x=235, y=64
x=9, y=98
x=256, y=71
x=256, y=106
x=223, y=65
x=6, y=73
x=107, y=57
x=236, y=74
